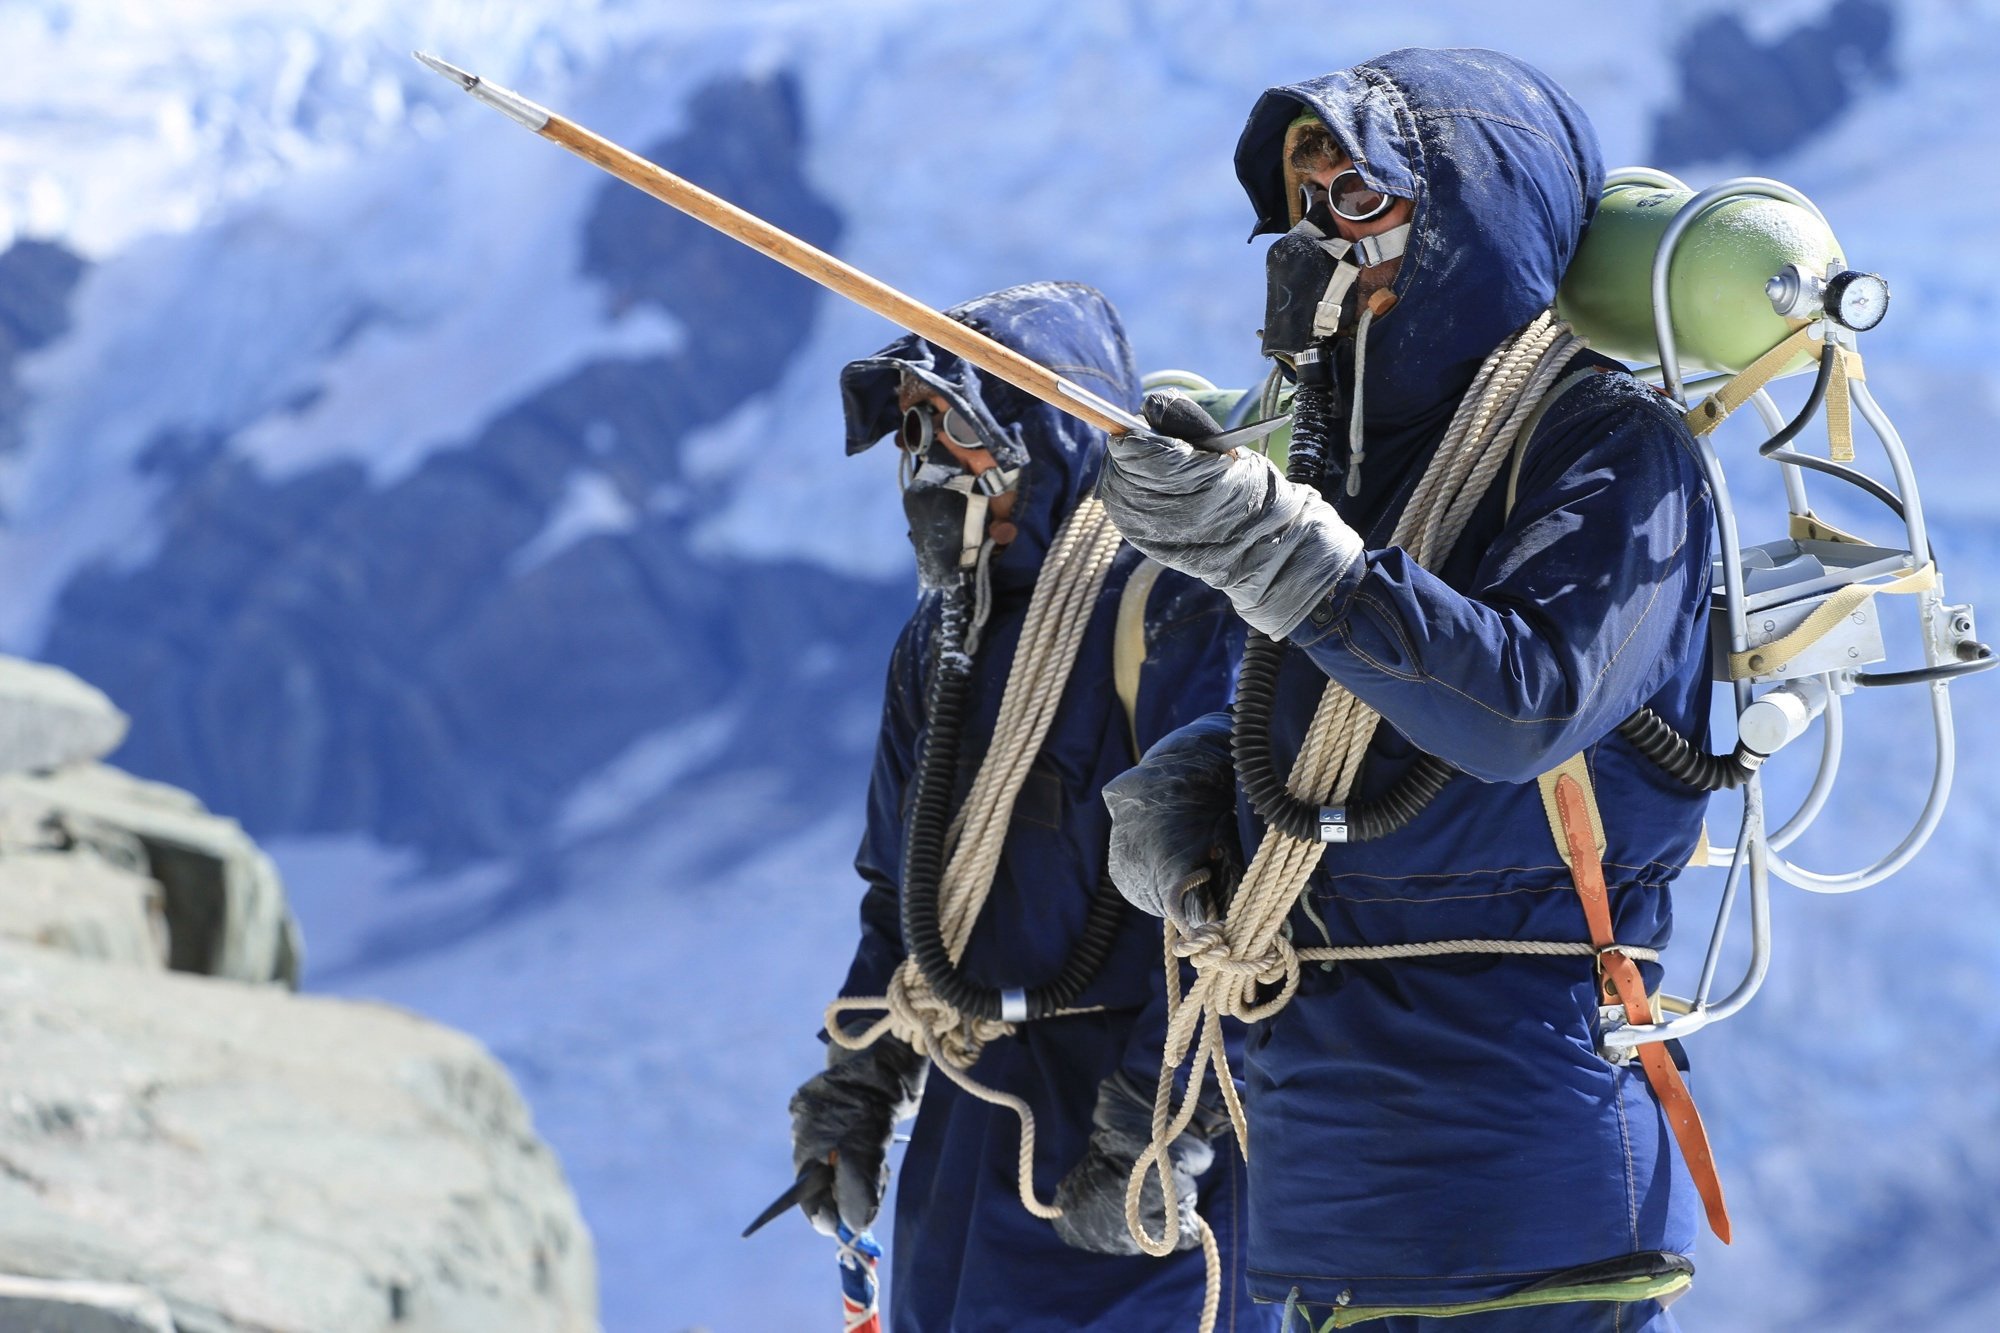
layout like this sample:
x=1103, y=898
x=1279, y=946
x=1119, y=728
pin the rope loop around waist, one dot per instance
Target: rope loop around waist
x=1376, y=953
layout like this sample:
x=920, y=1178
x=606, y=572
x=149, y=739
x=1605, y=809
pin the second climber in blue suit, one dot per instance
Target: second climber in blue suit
x=987, y=919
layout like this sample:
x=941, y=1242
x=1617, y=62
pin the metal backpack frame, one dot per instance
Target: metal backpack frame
x=1807, y=600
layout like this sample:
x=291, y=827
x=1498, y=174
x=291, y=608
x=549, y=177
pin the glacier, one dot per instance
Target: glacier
x=453, y=515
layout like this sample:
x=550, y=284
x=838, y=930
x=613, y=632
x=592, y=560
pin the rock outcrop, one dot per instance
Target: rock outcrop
x=270, y=1163
x=222, y=899
x=188, y=1147
x=49, y=718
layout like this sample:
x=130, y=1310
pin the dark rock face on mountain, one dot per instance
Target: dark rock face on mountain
x=326, y=654
x=37, y=279
x=1742, y=97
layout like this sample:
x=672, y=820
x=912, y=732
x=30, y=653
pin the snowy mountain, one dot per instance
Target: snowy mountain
x=477, y=530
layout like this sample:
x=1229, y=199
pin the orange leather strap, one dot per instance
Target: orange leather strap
x=1621, y=980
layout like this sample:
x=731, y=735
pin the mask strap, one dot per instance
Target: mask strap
x=982, y=597
x=1349, y=257
x=979, y=491
x=1383, y=246
x=1326, y=318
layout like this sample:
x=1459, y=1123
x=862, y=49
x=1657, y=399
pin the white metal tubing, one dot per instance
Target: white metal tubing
x=1832, y=737
x=1723, y=910
x=1730, y=540
x=1654, y=375
x=1941, y=719
x=1644, y=176
x=1906, y=477
x=1750, y=832
x=1927, y=822
x=1626, y=1038
x=1663, y=259
x=1176, y=379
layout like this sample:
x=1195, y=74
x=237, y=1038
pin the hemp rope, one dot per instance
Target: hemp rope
x=1247, y=951
x=1059, y=613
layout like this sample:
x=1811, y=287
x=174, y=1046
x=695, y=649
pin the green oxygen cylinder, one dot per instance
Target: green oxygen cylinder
x=1722, y=317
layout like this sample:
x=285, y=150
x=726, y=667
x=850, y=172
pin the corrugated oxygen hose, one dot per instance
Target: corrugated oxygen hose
x=921, y=1006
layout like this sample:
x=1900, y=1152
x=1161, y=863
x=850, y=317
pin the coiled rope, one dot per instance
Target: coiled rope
x=1246, y=952
x=1059, y=613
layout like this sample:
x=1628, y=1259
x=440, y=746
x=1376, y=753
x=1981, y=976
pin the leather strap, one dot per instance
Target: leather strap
x=1621, y=979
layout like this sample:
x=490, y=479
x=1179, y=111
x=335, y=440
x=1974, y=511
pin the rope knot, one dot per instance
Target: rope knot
x=1206, y=946
x=933, y=1026
x=1209, y=949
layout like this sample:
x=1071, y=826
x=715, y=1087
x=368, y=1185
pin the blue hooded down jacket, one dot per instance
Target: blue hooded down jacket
x=966, y=1256
x=1444, y=1131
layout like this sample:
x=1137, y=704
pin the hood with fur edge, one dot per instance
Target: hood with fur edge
x=1068, y=327
x=1505, y=172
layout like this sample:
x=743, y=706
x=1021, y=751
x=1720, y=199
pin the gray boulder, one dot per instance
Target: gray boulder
x=75, y=902
x=51, y=719
x=223, y=898
x=270, y=1163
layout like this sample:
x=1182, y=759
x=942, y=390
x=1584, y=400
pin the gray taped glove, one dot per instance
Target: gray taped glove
x=1172, y=816
x=1092, y=1195
x=1273, y=547
x=849, y=1114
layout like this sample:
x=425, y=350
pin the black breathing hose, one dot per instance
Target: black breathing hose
x=1317, y=421
x=1654, y=737
x=1973, y=658
x=1814, y=400
x=924, y=857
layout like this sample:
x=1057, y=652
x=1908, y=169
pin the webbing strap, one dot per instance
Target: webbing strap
x=1128, y=644
x=1579, y=831
x=1704, y=853
x=1810, y=527
x=1713, y=410
x=1527, y=432
x=1839, y=413
x=1770, y=658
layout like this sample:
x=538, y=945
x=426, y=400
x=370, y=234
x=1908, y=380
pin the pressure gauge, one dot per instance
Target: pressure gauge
x=1857, y=300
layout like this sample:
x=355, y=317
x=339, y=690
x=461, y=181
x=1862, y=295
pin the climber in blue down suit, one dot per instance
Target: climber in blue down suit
x=1441, y=1136
x=990, y=477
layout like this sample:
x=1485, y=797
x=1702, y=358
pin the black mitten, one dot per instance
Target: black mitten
x=847, y=1115
x=1092, y=1195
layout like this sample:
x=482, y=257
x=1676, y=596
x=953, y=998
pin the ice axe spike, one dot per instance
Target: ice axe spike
x=795, y=254
x=813, y=1177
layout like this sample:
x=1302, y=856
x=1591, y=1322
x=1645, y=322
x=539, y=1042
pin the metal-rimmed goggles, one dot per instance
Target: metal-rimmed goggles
x=922, y=424
x=1348, y=198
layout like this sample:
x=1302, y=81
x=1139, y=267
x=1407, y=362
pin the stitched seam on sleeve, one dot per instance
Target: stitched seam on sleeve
x=1584, y=698
x=1395, y=632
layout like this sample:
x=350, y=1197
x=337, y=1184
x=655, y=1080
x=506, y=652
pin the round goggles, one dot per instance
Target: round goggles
x=921, y=425
x=1349, y=198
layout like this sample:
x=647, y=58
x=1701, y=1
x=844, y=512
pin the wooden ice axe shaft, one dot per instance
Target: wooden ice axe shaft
x=795, y=254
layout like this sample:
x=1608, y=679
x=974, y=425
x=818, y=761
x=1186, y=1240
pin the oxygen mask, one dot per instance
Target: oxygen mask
x=947, y=495
x=1310, y=272
x=1299, y=276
